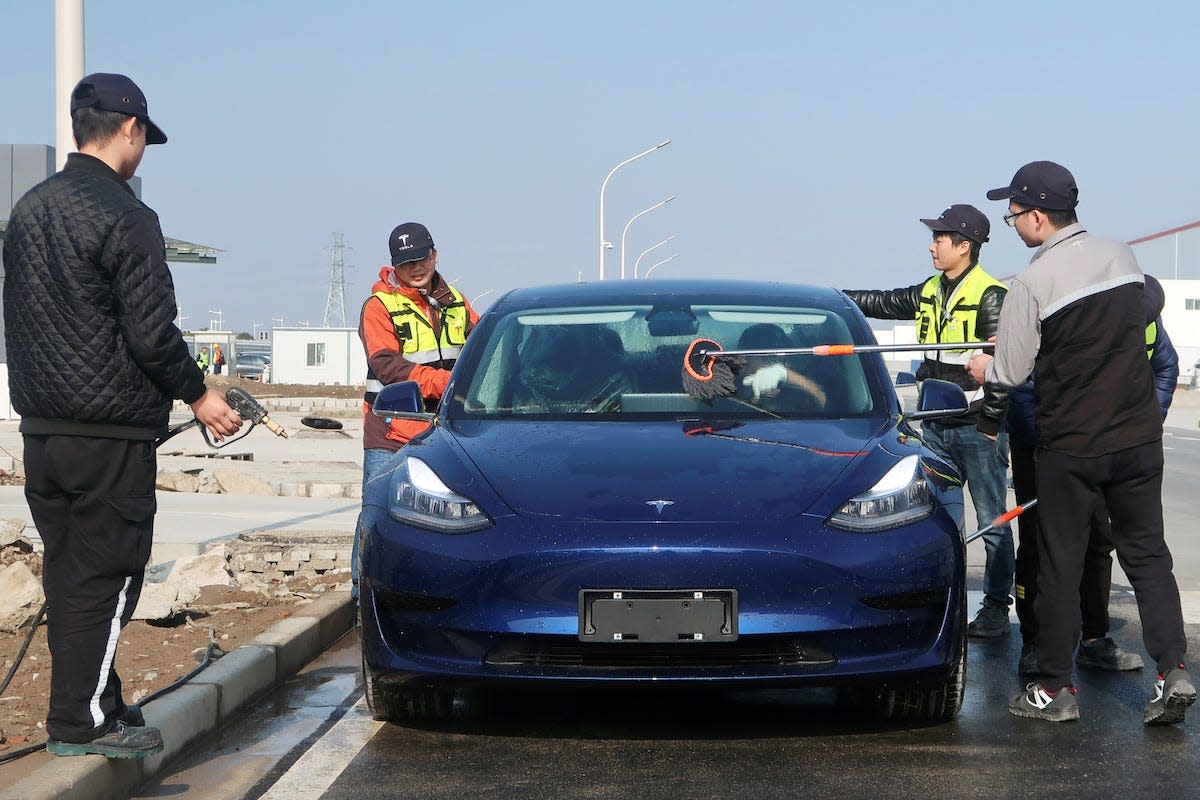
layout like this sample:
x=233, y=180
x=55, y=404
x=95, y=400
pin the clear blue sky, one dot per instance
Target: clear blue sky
x=807, y=138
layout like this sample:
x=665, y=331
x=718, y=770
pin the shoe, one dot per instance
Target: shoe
x=1172, y=696
x=1028, y=664
x=1107, y=654
x=123, y=741
x=991, y=622
x=133, y=717
x=1036, y=703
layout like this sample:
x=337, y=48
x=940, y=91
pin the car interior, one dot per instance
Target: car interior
x=629, y=360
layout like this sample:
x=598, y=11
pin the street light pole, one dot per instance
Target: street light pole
x=647, y=250
x=665, y=260
x=631, y=221
x=605, y=245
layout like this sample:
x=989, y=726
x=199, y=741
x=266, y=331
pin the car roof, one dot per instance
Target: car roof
x=649, y=292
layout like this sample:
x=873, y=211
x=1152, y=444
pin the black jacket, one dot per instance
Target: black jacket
x=987, y=414
x=89, y=310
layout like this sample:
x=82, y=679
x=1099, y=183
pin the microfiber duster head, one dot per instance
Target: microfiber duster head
x=707, y=377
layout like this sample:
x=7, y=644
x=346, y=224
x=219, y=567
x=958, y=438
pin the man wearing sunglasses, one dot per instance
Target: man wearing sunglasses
x=1076, y=320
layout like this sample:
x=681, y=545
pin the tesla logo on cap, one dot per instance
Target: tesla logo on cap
x=659, y=505
x=403, y=239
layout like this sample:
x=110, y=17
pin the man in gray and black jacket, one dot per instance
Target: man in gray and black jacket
x=1076, y=320
x=961, y=303
x=95, y=362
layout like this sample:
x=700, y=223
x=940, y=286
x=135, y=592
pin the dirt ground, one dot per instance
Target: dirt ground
x=261, y=390
x=150, y=656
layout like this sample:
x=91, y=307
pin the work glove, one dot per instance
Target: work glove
x=766, y=380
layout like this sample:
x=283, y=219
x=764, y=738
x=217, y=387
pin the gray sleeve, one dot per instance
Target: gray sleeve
x=1018, y=338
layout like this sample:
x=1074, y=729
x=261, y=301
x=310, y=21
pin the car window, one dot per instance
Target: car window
x=628, y=360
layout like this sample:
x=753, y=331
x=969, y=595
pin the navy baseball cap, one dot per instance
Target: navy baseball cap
x=409, y=242
x=1041, y=184
x=964, y=220
x=110, y=92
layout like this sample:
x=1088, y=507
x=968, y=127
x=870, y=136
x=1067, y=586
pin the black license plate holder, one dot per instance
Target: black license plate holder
x=658, y=616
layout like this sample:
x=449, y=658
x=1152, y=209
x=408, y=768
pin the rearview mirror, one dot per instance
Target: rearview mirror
x=937, y=399
x=677, y=321
x=401, y=401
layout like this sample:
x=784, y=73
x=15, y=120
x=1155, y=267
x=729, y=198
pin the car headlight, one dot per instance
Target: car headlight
x=900, y=497
x=419, y=498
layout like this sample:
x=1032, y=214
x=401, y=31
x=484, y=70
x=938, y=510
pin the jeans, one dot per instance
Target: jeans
x=983, y=464
x=374, y=461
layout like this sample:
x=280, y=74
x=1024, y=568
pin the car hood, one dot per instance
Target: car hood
x=669, y=472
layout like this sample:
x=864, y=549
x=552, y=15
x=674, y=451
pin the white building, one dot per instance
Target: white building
x=332, y=356
x=1181, y=318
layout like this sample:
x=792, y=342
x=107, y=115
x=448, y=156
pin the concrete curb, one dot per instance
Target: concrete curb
x=199, y=707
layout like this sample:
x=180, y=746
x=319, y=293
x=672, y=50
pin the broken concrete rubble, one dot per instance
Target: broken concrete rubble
x=254, y=562
x=20, y=596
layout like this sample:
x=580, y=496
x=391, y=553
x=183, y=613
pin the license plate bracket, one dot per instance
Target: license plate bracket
x=658, y=616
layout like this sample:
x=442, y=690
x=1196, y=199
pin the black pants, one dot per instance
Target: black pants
x=93, y=503
x=1130, y=481
x=1096, y=585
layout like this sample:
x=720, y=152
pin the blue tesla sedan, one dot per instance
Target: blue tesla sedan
x=578, y=514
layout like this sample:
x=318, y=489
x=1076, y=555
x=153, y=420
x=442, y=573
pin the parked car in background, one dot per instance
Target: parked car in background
x=252, y=366
x=575, y=517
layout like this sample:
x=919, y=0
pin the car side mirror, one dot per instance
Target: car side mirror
x=906, y=379
x=401, y=401
x=937, y=399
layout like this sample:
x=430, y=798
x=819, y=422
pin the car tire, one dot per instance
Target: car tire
x=379, y=699
x=938, y=704
x=405, y=703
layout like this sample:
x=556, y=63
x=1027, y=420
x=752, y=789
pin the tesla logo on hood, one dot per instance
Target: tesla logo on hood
x=659, y=505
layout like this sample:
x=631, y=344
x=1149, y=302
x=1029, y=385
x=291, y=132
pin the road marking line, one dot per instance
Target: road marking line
x=315, y=771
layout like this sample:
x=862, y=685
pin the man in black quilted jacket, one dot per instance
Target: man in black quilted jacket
x=95, y=362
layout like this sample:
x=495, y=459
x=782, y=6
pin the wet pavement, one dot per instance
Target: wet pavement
x=760, y=744
x=248, y=757
x=314, y=739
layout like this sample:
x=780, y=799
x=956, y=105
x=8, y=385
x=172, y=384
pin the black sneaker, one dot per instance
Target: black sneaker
x=1107, y=654
x=123, y=741
x=1172, y=696
x=1036, y=703
x=991, y=622
x=1028, y=664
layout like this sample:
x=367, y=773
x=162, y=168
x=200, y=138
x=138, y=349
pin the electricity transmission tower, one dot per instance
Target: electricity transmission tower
x=335, y=304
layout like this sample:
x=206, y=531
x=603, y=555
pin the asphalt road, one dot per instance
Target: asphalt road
x=314, y=739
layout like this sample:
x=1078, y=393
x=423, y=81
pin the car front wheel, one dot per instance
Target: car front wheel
x=405, y=703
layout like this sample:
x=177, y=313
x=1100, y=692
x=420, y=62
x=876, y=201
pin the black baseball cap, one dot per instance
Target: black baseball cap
x=409, y=241
x=1041, y=184
x=964, y=220
x=111, y=92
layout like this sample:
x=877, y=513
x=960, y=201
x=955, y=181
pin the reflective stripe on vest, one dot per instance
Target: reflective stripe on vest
x=1151, y=338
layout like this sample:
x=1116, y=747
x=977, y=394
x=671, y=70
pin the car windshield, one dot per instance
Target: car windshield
x=627, y=362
